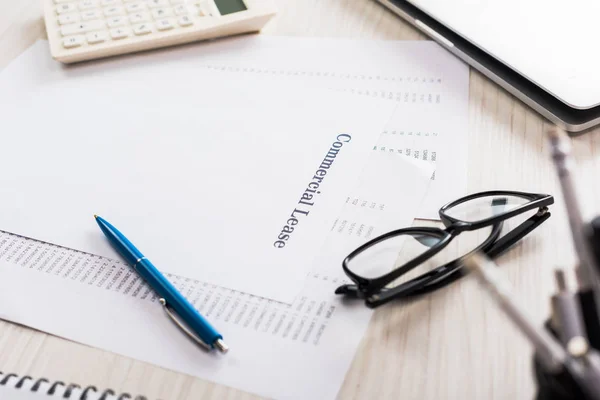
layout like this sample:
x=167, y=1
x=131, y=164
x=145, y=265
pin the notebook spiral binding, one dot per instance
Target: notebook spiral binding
x=71, y=389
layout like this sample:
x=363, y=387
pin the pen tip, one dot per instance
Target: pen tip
x=220, y=344
x=95, y=216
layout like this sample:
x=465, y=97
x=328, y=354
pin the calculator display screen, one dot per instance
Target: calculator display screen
x=230, y=6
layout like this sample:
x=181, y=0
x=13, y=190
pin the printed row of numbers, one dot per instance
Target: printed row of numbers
x=305, y=320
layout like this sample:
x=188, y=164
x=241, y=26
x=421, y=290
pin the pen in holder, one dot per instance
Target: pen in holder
x=593, y=235
x=563, y=370
x=566, y=359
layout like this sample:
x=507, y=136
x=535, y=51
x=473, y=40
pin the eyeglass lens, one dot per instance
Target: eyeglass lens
x=485, y=207
x=395, y=252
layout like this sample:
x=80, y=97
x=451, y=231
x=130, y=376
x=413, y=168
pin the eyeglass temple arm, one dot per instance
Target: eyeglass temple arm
x=512, y=237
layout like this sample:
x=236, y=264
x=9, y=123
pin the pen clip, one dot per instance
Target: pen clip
x=181, y=326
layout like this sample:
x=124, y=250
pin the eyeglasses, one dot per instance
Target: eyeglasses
x=377, y=266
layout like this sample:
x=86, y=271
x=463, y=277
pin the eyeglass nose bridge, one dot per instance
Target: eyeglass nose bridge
x=453, y=228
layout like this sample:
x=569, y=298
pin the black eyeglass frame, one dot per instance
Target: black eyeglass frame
x=370, y=288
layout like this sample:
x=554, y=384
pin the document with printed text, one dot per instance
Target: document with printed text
x=285, y=351
x=233, y=185
x=429, y=85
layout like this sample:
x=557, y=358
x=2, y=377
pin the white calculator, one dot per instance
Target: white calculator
x=81, y=30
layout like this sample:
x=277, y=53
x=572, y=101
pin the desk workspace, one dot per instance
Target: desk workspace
x=379, y=111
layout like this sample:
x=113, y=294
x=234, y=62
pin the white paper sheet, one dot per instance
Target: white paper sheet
x=10, y=392
x=430, y=86
x=298, y=351
x=233, y=183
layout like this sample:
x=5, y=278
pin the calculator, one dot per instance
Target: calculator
x=80, y=30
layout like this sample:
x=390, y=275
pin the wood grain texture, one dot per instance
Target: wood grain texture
x=453, y=344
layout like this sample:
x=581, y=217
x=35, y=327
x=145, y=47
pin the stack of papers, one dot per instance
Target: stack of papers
x=202, y=155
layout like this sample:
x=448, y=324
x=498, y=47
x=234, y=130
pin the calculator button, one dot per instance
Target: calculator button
x=142, y=29
x=162, y=13
x=68, y=19
x=120, y=33
x=134, y=7
x=65, y=8
x=164, y=24
x=87, y=4
x=82, y=27
x=89, y=15
x=73, y=41
x=185, y=20
x=112, y=11
x=203, y=8
x=106, y=3
x=96, y=37
x=139, y=17
x=157, y=3
x=117, y=21
x=200, y=10
x=72, y=29
x=181, y=10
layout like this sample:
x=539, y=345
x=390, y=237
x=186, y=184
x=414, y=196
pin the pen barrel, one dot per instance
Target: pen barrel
x=593, y=234
x=563, y=163
x=567, y=318
x=119, y=242
x=591, y=319
x=182, y=307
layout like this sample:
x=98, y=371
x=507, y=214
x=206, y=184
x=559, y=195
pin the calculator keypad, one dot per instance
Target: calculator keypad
x=81, y=30
x=98, y=21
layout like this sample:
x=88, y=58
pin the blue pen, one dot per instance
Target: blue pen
x=170, y=297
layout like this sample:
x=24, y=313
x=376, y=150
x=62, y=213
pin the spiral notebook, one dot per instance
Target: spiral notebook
x=15, y=387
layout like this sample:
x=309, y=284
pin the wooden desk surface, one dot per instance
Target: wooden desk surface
x=450, y=345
